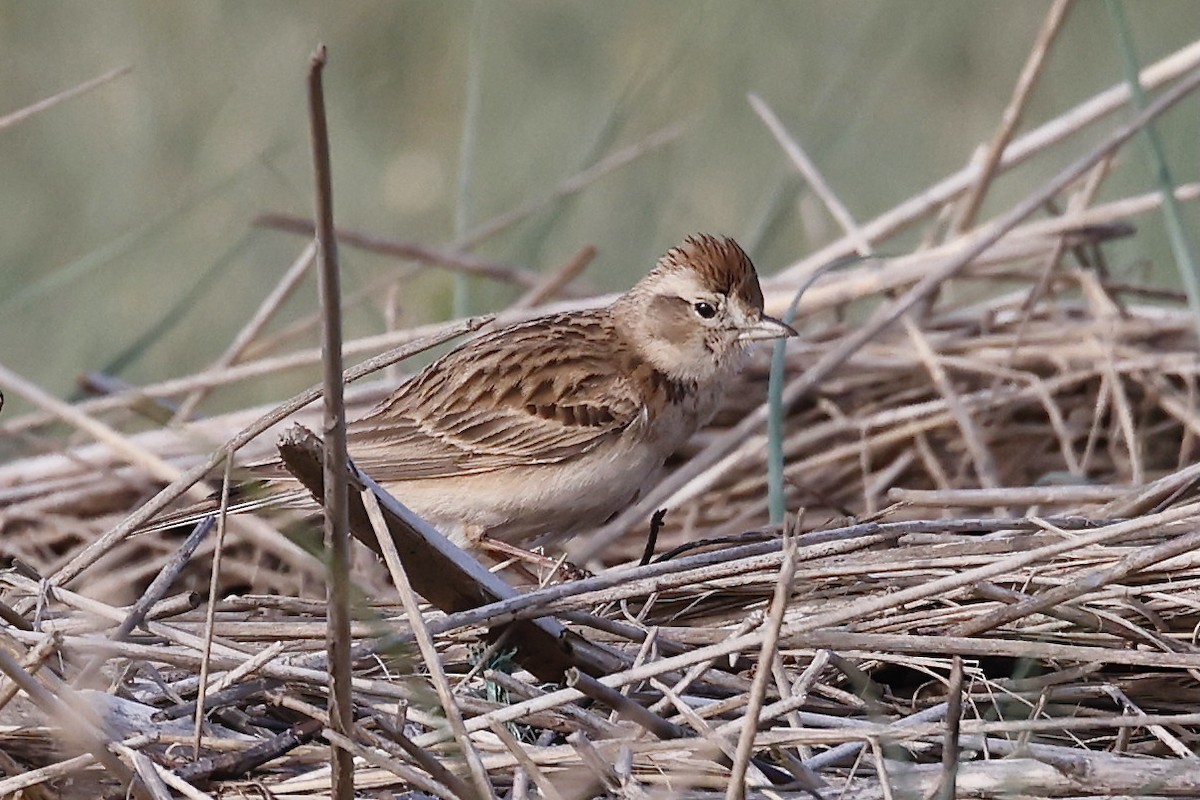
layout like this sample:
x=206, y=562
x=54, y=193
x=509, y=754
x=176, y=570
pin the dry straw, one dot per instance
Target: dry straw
x=1017, y=456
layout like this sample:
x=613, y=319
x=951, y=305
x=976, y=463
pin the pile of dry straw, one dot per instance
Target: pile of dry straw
x=989, y=578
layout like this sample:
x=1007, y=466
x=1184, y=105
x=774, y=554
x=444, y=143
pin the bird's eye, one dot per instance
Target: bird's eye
x=706, y=310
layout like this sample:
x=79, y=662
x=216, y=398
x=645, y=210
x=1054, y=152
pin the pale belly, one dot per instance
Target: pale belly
x=550, y=501
x=546, y=502
x=535, y=502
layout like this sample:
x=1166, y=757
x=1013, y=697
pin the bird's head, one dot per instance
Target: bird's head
x=694, y=313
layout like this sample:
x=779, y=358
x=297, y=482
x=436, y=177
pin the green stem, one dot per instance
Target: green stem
x=1181, y=245
x=776, y=506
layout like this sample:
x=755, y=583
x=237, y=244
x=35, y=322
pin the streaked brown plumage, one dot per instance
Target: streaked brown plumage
x=549, y=426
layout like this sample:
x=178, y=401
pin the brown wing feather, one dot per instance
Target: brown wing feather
x=479, y=409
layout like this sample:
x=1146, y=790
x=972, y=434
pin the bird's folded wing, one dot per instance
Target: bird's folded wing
x=482, y=409
x=402, y=448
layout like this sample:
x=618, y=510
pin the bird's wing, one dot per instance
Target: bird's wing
x=538, y=393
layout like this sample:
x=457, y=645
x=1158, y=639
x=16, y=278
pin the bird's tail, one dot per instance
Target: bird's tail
x=247, y=496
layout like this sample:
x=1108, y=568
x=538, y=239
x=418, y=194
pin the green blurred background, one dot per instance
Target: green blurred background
x=126, y=240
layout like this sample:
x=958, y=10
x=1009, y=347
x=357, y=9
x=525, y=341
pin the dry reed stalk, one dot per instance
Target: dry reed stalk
x=1052, y=132
x=969, y=206
x=401, y=344
x=425, y=642
x=254, y=326
x=23, y=114
x=454, y=261
x=1025, y=381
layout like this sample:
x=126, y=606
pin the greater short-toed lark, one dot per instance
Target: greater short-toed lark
x=548, y=427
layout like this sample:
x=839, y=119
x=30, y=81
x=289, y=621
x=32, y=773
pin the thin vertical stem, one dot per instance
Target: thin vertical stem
x=336, y=500
x=1181, y=245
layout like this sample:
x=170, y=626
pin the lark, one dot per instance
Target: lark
x=540, y=430
x=545, y=428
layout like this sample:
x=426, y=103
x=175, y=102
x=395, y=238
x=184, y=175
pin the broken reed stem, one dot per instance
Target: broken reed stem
x=624, y=707
x=762, y=675
x=335, y=504
x=429, y=653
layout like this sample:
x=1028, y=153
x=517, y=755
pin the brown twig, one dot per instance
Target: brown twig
x=555, y=281
x=948, y=789
x=454, y=261
x=335, y=502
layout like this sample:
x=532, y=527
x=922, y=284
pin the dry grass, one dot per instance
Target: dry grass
x=1016, y=454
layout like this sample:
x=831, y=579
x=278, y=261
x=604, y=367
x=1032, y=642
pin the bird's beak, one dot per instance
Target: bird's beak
x=766, y=328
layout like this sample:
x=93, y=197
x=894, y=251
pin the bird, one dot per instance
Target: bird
x=545, y=428
x=537, y=431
